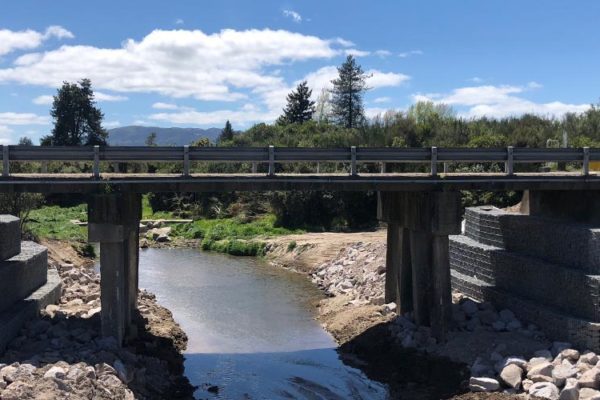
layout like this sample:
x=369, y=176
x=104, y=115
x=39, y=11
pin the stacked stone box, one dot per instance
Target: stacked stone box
x=572, y=244
x=547, y=271
x=10, y=236
x=569, y=290
x=582, y=333
x=22, y=274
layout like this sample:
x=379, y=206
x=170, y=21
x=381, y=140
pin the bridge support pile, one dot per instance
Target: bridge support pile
x=545, y=266
x=26, y=283
x=417, y=263
x=113, y=221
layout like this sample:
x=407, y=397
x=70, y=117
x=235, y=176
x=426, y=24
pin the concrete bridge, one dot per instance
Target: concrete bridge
x=421, y=209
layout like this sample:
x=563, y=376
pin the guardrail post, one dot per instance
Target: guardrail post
x=186, y=160
x=254, y=167
x=445, y=167
x=383, y=167
x=586, y=161
x=510, y=161
x=318, y=167
x=271, y=160
x=353, y=171
x=5, y=161
x=434, y=161
x=96, y=162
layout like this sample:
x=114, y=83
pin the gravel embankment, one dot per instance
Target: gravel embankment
x=60, y=355
x=505, y=356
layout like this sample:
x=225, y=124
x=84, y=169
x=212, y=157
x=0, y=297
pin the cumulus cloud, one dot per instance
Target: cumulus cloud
x=8, y=119
x=499, y=101
x=296, y=17
x=176, y=63
x=29, y=39
x=12, y=118
x=273, y=100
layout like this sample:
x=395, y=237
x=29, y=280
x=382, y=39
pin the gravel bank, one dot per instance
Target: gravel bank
x=489, y=352
x=60, y=355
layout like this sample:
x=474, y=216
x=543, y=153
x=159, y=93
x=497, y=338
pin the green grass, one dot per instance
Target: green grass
x=231, y=228
x=232, y=236
x=226, y=235
x=53, y=222
x=147, y=212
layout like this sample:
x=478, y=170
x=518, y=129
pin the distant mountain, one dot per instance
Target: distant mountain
x=136, y=135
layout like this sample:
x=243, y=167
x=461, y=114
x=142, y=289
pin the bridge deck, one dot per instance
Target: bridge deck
x=141, y=183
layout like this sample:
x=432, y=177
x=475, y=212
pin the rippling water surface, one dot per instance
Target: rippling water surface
x=251, y=328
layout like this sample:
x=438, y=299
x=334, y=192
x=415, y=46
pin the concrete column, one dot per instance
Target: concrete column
x=113, y=221
x=112, y=290
x=422, y=275
x=398, y=285
x=441, y=307
x=418, y=227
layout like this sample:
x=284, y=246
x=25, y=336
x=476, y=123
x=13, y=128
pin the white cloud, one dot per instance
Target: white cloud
x=177, y=63
x=407, y=54
x=12, y=118
x=164, y=106
x=29, y=39
x=111, y=124
x=274, y=100
x=356, y=52
x=475, y=79
x=58, y=32
x=44, y=100
x=499, y=101
x=241, y=117
x=383, y=53
x=179, y=21
x=322, y=78
x=382, y=100
x=296, y=17
x=101, y=96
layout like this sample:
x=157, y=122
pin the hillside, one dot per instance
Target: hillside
x=136, y=135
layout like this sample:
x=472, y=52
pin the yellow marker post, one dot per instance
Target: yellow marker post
x=595, y=166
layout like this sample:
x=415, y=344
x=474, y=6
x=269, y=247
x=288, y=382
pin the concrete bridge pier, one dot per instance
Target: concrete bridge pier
x=417, y=262
x=113, y=221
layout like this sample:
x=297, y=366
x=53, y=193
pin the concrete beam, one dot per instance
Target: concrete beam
x=579, y=206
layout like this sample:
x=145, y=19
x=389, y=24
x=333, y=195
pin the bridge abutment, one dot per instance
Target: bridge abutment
x=113, y=221
x=417, y=262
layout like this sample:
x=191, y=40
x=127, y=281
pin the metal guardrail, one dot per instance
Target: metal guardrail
x=272, y=155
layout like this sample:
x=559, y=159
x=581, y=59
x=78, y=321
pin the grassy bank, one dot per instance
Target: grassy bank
x=232, y=235
x=227, y=235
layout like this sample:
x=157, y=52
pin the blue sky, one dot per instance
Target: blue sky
x=198, y=63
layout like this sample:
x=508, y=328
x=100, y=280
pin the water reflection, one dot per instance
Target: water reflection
x=251, y=328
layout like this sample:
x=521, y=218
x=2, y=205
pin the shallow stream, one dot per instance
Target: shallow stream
x=251, y=329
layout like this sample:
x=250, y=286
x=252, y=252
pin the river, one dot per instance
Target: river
x=251, y=328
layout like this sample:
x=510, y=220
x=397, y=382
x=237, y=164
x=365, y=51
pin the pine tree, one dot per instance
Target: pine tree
x=77, y=120
x=348, y=88
x=300, y=108
x=226, y=133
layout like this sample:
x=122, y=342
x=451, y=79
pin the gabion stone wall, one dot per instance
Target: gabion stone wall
x=546, y=271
